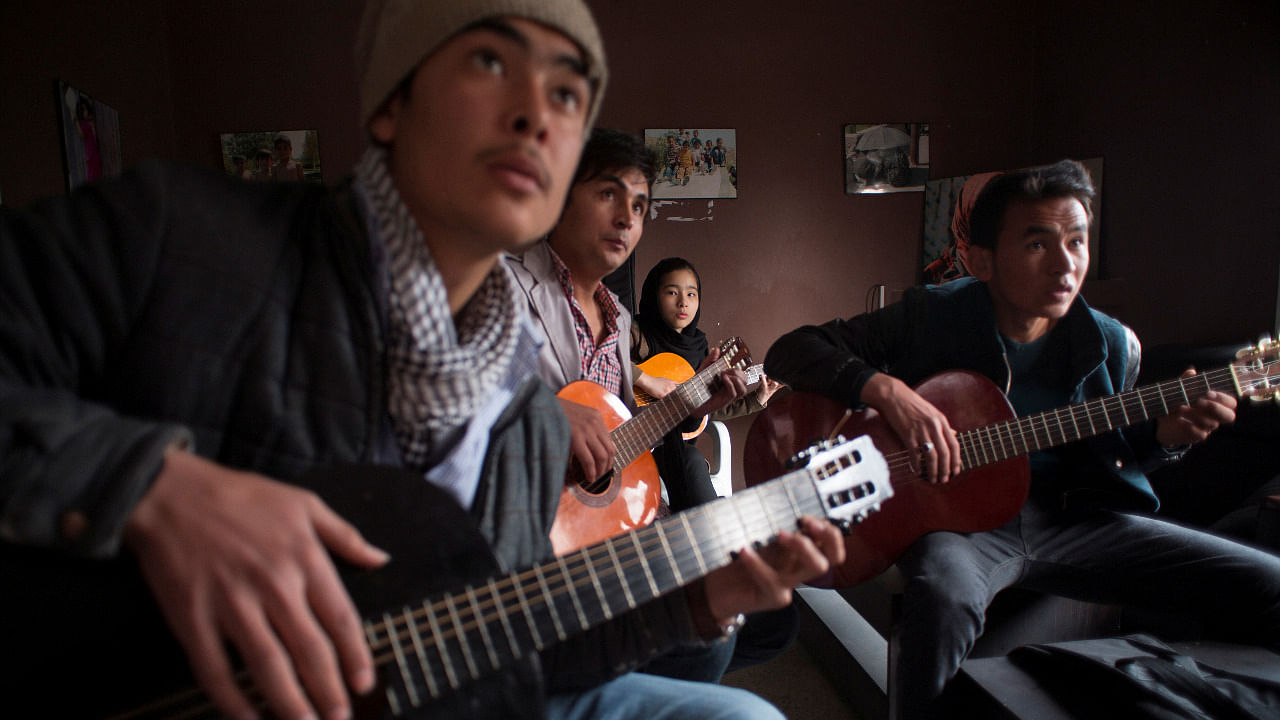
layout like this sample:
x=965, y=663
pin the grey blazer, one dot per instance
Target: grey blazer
x=559, y=361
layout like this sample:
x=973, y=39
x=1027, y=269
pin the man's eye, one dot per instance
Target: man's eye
x=488, y=60
x=569, y=97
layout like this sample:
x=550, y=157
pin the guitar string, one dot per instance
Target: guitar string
x=686, y=553
x=716, y=368
x=896, y=461
x=1001, y=441
x=628, y=559
x=902, y=459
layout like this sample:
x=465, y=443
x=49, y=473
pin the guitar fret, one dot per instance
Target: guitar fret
x=595, y=582
x=501, y=609
x=644, y=563
x=1143, y=402
x=666, y=548
x=461, y=633
x=792, y=500
x=1093, y=430
x=1106, y=415
x=1164, y=404
x=573, y=593
x=1004, y=439
x=1062, y=427
x=1124, y=411
x=393, y=636
x=420, y=650
x=551, y=607
x=484, y=629
x=1071, y=413
x=693, y=543
x=622, y=576
x=1036, y=434
x=528, y=614
x=445, y=656
x=1052, y=429
x=764, y=509
x=981, y=436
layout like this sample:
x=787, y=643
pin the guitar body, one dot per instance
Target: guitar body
x=676, y=369
x=628, y=501
x=978, y=499
x=86, y=639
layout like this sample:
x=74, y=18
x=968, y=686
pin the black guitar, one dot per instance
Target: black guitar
x=84, y=638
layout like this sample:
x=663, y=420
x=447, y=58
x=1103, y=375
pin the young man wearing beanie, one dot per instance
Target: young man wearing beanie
x=175, y=344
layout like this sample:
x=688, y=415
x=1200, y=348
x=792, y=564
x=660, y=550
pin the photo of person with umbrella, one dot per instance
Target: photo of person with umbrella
x=886, y=157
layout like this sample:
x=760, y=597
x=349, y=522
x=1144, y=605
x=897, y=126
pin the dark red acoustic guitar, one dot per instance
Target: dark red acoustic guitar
x=626, y=497
x=994, y=446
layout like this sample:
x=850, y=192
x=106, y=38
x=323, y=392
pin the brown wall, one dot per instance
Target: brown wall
x=117, y=52
x=1181, y=98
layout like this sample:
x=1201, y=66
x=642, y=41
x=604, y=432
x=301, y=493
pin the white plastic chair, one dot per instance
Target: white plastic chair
x=719, y=457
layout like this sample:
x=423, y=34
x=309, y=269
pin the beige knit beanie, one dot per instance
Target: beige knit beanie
x=396, y=35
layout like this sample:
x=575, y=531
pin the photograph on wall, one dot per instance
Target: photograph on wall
x=90, y=137
x=947, y=204
x=695, y=163
x=277, y=155
x=886, y=157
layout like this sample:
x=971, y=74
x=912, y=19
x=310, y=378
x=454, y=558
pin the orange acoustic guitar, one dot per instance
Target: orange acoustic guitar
x=678, y=370
x=627, y=496
x=994, y=445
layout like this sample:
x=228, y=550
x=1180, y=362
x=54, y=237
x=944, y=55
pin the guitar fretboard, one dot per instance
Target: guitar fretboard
x=442, y=645
x=1052, y=428
x=642, y=432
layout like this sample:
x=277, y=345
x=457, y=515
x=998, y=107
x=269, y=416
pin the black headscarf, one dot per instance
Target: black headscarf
x=690, y=344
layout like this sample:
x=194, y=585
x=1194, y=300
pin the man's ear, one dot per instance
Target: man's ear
x=382, y=126
x=981, y=262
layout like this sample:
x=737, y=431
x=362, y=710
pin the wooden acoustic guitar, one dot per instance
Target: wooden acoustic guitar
x=678, y=370
x=994, y=445
x=451, y=637
x=627, y=496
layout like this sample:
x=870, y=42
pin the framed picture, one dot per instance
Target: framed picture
x=695, y=163
x=276, y=155
x=90, y=137
x=947, y=202
x=886, y=157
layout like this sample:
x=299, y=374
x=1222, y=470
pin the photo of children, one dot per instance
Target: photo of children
x=282, y=155
x=695, y=163
x=885, y=158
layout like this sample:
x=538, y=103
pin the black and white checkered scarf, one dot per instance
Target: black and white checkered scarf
x=439, y=373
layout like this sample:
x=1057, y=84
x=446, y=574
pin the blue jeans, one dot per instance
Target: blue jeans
x=1103, y=556
x=640, y=696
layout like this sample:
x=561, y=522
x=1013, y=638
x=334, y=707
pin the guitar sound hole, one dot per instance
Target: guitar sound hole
x=600, y=485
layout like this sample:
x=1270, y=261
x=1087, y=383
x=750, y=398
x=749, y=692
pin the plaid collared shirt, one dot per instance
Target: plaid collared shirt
x=600, y=363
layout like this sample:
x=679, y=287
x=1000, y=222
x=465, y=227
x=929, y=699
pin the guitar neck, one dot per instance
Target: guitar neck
x=642, y=432
x=1024, y=435
x=442, y=645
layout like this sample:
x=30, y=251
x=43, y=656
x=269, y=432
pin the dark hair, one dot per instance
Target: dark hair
x=613, y=150
x=665, y=266
x=691, y=343
x=1065, y=178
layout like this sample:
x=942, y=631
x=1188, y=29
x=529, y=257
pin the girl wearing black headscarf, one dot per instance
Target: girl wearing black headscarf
x=667, y=321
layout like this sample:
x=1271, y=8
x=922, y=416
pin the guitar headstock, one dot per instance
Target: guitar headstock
x=1257, y=374
x=735, y=353
x=851, y=477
